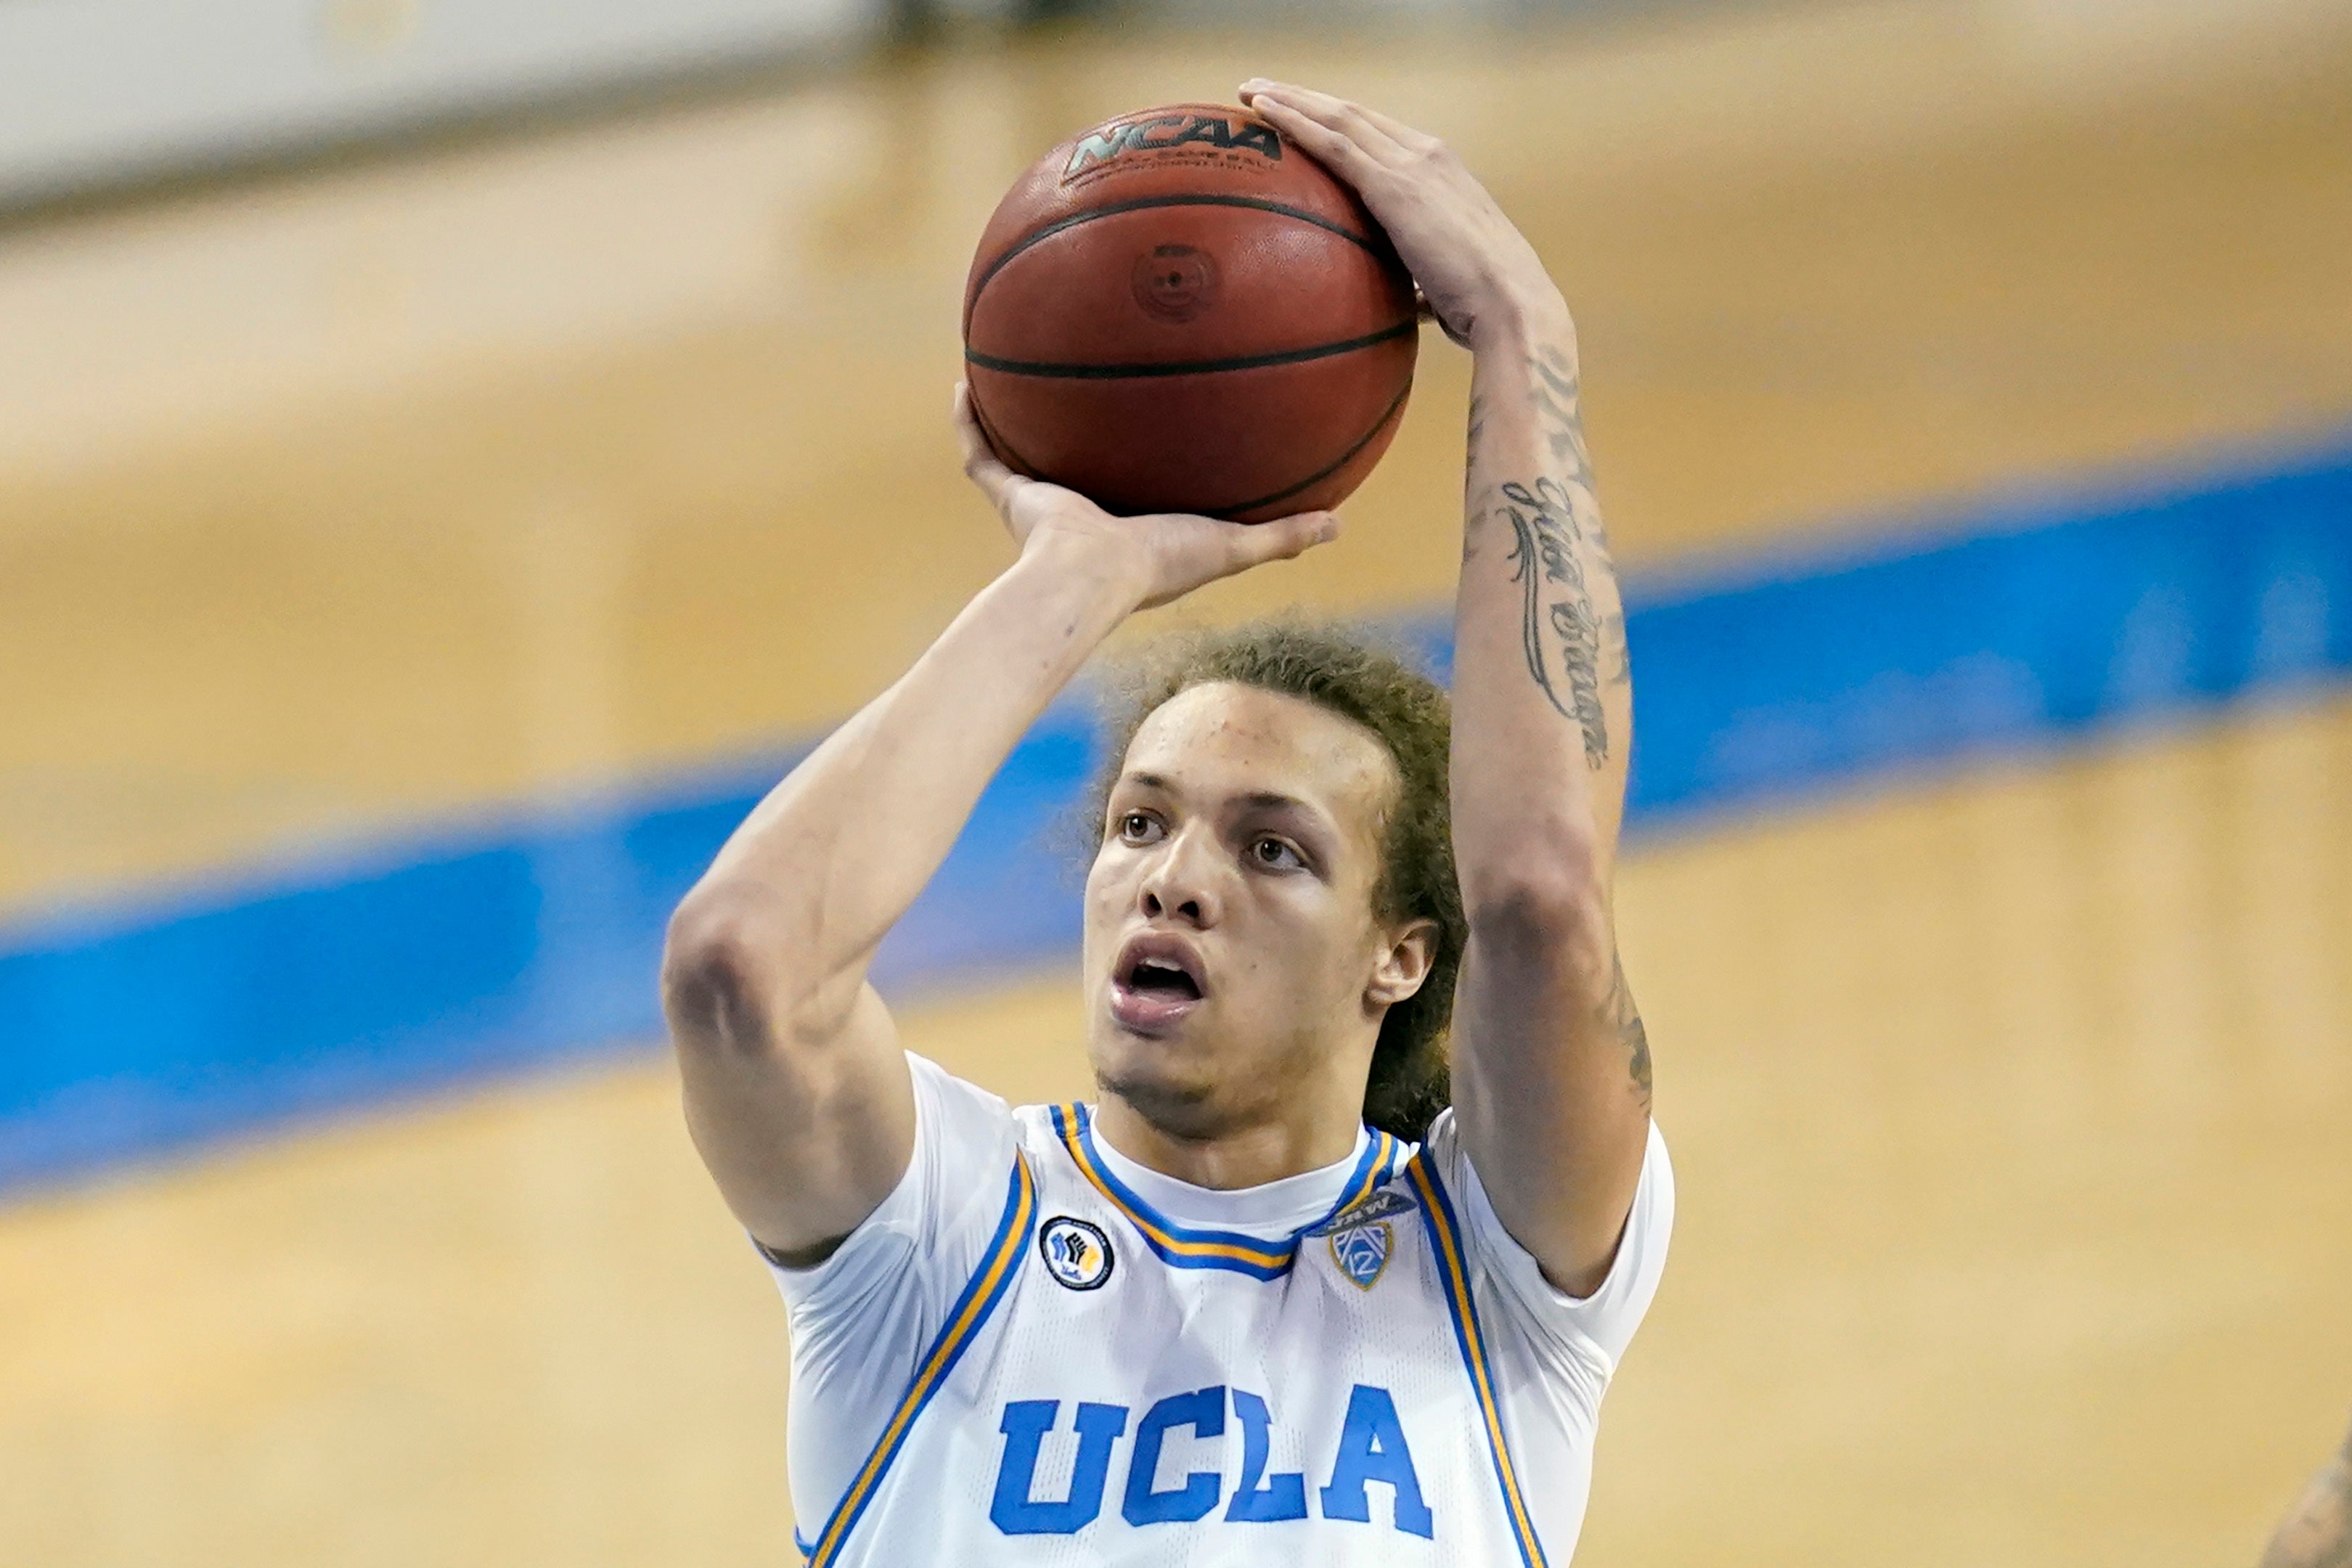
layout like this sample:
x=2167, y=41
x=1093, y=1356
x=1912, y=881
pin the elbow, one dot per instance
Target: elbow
x=1550, y=890
x=724, y=980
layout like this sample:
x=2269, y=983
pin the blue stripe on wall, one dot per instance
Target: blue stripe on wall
x=148, y=1025
x=2038, y=621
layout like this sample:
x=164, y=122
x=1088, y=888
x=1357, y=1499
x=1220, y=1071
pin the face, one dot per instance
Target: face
x=1233, y=960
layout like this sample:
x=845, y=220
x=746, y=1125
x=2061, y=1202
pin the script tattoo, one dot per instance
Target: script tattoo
x=1559, y=399
x=1556, y=607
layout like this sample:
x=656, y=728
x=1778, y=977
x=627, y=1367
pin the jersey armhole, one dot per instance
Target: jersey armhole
x=1599, y=1325
x=962, y=1131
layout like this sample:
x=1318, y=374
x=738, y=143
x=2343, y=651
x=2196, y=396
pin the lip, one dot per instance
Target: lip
x=1151, y=1013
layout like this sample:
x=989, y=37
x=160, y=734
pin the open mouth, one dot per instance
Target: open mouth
x=1157, y=983
x=1150, y=977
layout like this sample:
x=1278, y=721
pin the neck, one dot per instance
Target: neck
x=1230, y=1159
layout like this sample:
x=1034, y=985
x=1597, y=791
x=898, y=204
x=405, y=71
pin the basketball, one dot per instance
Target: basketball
x=1180, y=311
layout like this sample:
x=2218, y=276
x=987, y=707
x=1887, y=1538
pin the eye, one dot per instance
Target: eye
x=1138, y=826
x=1275, y=855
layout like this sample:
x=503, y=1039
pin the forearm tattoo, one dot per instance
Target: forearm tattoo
x=1559, y=551
x=1556, y=607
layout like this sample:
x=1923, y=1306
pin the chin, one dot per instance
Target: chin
x=1176, y=1097
x=1180, y=1108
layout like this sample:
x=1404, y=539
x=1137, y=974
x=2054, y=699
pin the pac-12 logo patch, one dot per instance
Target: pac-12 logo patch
x=1077, y=1254
x=1361, y=1251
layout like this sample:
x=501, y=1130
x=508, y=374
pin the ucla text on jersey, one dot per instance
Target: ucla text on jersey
x=1372, y=1448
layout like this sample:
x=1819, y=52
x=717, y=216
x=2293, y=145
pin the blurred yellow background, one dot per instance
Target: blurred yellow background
x=2010, y=1101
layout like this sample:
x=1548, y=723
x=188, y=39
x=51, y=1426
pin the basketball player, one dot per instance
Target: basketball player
x=1214, y=1317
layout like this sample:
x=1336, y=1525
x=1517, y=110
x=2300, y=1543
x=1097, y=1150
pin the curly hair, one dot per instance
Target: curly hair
x=1411, y=717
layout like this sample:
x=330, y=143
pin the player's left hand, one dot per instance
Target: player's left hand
x=1159, y=557
x=1474, y=267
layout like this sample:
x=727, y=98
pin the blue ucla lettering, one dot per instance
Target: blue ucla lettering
x=1025, y=1424
x=1204, y=1412
x=1261, y=1498
x=1372, y=1449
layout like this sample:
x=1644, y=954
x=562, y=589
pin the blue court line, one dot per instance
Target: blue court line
x=143, y=1024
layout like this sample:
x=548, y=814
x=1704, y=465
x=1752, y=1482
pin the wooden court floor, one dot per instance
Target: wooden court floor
x=2010, y=1108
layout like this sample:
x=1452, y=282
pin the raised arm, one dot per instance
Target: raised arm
x=796, y=1091
x=1551, y=1067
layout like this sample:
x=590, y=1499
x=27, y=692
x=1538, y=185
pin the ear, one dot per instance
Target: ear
x=1401, y=969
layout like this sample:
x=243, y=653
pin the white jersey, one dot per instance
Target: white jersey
x=1021, y=1358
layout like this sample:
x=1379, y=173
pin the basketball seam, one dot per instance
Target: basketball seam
x=1005, y=449
x=1342, y=461
x=1140, y=204
x=1184, y=367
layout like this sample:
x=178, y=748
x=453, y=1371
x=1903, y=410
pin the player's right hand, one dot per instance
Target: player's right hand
x=1156, y=558
x=1473, y=266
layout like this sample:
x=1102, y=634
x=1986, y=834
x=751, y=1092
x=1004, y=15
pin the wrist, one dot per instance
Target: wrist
x=1084, y=573
x=1519, y=317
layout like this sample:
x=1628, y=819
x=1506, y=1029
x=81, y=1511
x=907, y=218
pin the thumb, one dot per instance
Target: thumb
x=1284, y=537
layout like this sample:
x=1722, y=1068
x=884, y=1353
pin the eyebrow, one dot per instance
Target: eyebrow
x=1265, y=799
x=1270, y=800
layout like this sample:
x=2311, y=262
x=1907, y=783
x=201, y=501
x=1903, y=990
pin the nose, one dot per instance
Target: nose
x=1182, y=882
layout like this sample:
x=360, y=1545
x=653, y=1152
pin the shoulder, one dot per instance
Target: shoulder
x=966, y=1140
x=951, y=1103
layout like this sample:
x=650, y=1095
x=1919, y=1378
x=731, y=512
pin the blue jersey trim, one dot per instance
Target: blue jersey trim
x=1185, y=1247
x=988, y=1282
x=1453, y=1269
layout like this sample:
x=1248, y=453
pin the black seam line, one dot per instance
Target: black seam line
x=1184, y=367
x=1258, y=203
x=1315, y=478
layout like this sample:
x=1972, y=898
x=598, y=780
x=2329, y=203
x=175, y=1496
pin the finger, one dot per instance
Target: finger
x=1282, y=539
x=1398, y=131
x=1343, y=109
x=1335, y=114
x=1351, y=119
x=1336, y=152
x=981, y=464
